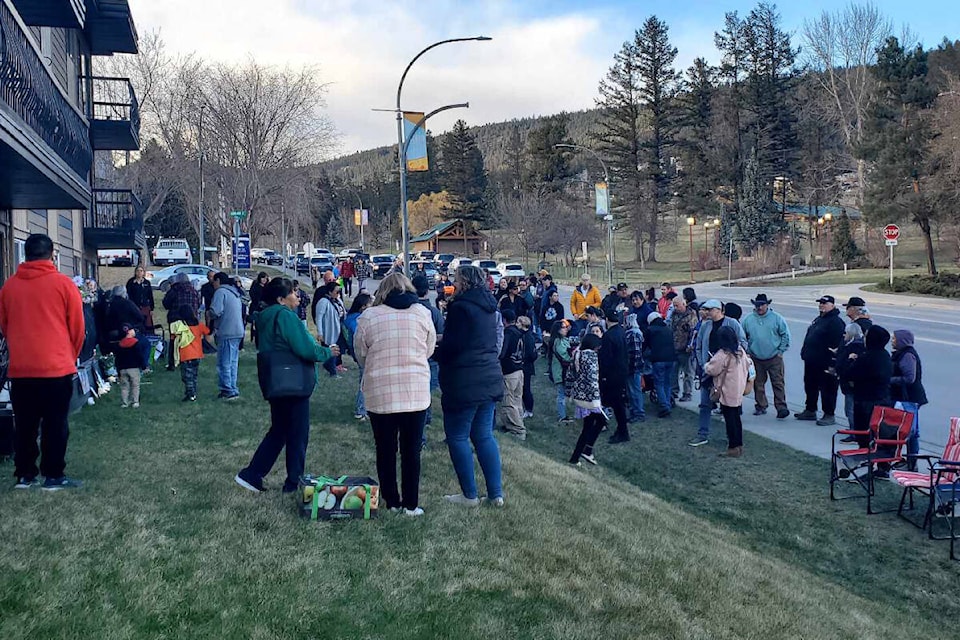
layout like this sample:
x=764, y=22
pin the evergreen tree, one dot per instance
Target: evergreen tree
x=516, y=159
x=897, y=143
x=463, y=175
x=547, y=166
x=730, y=43
x=757, y=223
x=844, y=249
x=698, y=179
x=617, y=137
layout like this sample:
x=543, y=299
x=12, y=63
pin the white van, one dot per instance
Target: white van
x=171, y=251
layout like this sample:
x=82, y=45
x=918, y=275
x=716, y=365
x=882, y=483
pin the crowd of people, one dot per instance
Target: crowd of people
x=610, y=357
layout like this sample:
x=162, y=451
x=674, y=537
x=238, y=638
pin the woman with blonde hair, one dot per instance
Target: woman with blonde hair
x=393, y=340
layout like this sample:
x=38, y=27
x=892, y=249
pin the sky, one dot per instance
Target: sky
x=545, y=56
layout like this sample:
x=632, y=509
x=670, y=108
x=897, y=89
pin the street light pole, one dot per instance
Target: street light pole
x=203, y=253
x=690, y=223
x=401, y=151
x=609, y=216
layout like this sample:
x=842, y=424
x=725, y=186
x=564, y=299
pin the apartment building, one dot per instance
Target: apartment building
x=54, y=114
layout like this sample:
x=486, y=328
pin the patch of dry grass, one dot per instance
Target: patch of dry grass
x=161, y=543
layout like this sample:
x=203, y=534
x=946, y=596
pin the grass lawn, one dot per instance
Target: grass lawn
x=660, y=541
x=829, y=278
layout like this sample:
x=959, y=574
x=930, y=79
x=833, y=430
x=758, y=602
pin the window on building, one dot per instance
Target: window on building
x=20, y=248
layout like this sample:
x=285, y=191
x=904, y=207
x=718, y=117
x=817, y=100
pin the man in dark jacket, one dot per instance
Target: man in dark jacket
x=513, y=301
x=663, y=357
x=824, y=337
x=856, y=312
x=511, y=364
x=614, y=369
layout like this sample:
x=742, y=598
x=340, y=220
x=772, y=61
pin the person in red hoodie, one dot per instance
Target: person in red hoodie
x=41, y=315
x=664, y=303
x=346, y=272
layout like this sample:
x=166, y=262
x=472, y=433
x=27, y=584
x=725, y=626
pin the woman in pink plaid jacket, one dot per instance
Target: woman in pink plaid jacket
x=393, y=341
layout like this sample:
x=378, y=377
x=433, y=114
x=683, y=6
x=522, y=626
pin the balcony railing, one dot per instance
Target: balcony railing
x=67, y=14
x=28, y=89
x=115, y=209
x=116, y=115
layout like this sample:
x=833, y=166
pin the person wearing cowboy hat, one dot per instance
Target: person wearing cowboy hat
x=824, y=337
x=768, y=338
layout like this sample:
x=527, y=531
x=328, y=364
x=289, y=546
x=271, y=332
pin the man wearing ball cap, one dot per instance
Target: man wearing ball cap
x=824, y=337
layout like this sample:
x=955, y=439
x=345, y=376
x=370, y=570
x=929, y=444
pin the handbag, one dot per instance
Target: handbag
x=284, y=374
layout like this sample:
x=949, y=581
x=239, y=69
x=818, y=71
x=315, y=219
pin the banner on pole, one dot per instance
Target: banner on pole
x=603, y=204
x=417, y=148
x=361, y=217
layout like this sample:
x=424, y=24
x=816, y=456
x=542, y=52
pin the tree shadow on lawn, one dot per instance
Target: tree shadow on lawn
x=777, y=499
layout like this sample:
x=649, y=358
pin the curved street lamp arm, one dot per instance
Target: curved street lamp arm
x=606, y=175
x=417, y=57
x=423, y=120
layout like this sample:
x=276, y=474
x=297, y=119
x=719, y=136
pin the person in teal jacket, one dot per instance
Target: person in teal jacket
x=768, y=338
x=281, y=330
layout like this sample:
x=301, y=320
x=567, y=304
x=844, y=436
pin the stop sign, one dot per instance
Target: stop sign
x=891, y=232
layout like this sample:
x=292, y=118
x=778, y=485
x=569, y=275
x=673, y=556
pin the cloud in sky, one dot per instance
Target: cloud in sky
x=535, y=64
x=546, y=55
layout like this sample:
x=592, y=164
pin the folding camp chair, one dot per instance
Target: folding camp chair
x=887, y=437
x=940, y=485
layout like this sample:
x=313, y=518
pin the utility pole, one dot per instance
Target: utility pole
x=203, y=244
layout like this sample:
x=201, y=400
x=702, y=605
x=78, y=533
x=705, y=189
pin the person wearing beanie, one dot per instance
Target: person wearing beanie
x=870, y=376
x=906, y=386
x=663, y=358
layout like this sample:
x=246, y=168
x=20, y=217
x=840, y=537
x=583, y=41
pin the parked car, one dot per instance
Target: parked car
x=511, y=270
x=348, y=254
x=443, y=260
x=163, y=278
x=321, y=262
x=323, y=253
x=118, y=257
x=496, y=275
x=424, y=255
x=303, y=263
x=429, y=269
x=381, y=264
x=275, y=259
x=486, y=264
x=170, y=251
x=459, y=262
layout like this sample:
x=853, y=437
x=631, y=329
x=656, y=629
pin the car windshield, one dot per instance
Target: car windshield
x=382, y=259
x=514, y=267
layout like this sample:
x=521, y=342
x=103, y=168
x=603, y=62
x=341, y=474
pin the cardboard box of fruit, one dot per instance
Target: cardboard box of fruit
x=346, y=497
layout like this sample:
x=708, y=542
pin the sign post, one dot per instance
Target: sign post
x=361, y=218
x=891, y=233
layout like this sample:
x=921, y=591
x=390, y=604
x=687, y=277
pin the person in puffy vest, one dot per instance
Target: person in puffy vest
x=906, y=386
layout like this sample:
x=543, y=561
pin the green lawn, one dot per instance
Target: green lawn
x=660, y=541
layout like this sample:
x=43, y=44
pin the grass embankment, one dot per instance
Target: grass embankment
x=944, y=285
x=661, y=541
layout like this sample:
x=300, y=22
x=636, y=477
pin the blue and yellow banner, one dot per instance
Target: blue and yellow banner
x=417, y=149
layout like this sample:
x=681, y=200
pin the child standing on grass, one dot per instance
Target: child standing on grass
x=730, y=368
x=586, y=397
x=189, y=333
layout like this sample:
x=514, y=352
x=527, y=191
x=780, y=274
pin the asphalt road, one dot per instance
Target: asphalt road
x=935, y=323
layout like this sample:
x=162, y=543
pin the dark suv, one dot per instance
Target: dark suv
x=381, y=265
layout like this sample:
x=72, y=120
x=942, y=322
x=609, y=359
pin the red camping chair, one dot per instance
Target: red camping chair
x=887, y=436
x=940, y=485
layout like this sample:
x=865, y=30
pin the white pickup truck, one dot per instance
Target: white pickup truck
x=118, y=257
x=171, y=251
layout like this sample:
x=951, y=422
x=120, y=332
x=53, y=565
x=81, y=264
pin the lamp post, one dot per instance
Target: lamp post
x=690, y=222
x=820, y=223
x=401, y=150
x=203, y=253
x=609, y=216
x=828, y=217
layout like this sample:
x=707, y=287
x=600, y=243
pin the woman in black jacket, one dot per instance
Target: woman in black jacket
x=663, y=357
x=256, y=295
x=870, y=377
x=140, y=293
x=471, y=384
x=852, y=343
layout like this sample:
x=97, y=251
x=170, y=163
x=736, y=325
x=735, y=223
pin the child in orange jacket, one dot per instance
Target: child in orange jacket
x=189, y=334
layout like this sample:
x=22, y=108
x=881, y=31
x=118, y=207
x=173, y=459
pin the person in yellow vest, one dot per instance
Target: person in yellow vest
x=585, y=295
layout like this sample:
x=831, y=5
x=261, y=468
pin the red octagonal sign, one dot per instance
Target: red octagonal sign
x=891, y=232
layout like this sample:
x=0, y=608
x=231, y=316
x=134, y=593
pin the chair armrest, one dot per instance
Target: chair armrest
x=948, y=463
x=851, y=432
x=890, y=443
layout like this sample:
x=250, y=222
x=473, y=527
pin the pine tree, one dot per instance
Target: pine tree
x=658, y=87
x=757, y=223
x=547, y=166
x=698, y=179
x=617, y=137
x=844, y=249
x=463, y=175
x=897, y=143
